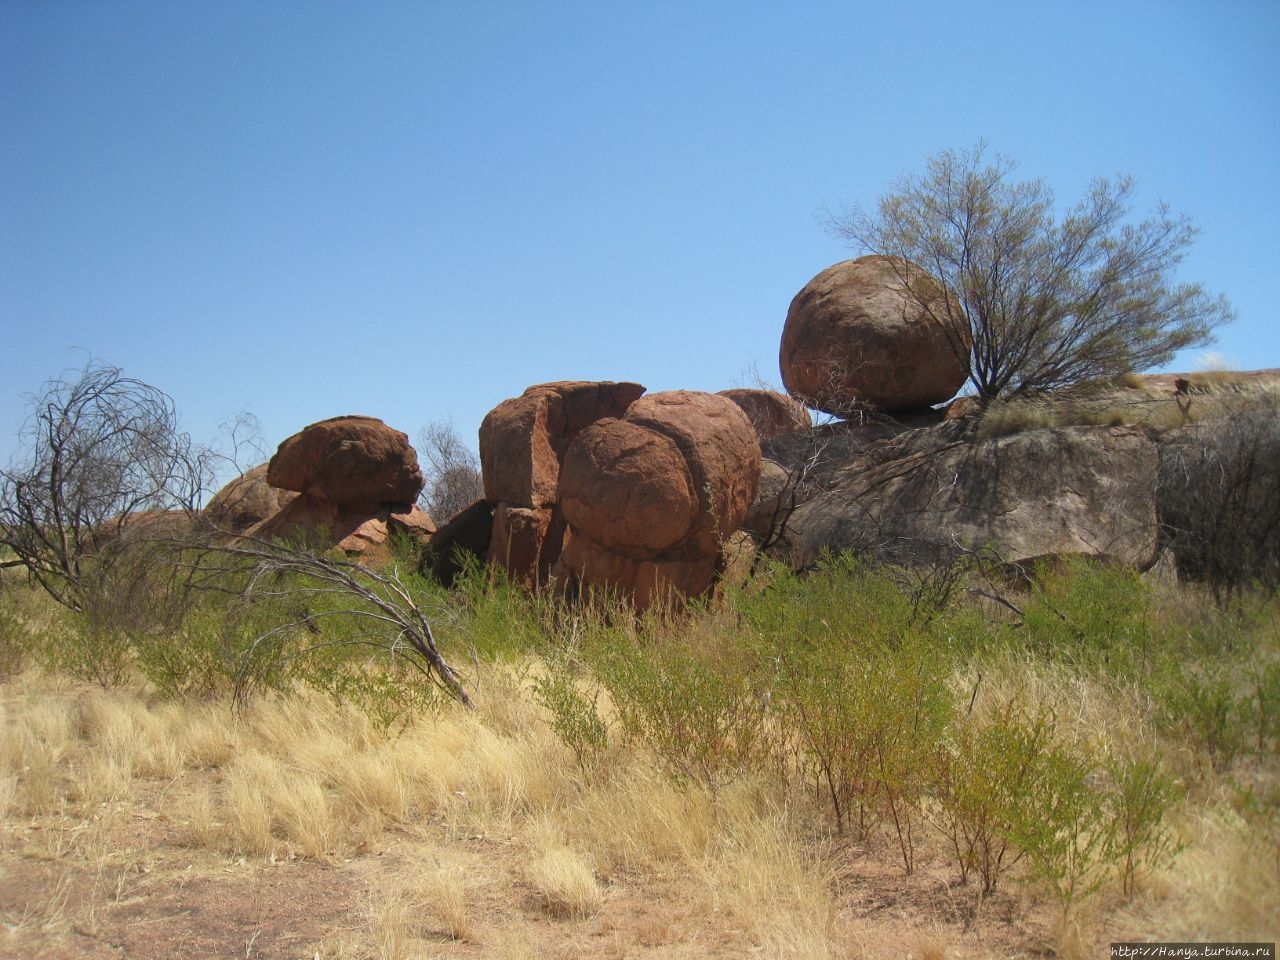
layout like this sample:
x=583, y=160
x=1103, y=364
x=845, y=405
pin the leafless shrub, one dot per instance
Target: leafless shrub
x=102, y=464
x=452, y=471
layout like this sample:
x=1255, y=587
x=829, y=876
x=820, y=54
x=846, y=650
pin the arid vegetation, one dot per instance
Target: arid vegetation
x=834, y=764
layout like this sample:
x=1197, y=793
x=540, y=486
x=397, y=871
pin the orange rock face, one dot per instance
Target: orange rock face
x=348, y=460
x=719, y=445
x=523, y=440
x=770, y=412
x=650, y=499
x=875, y=331
x=629, y=487
x=522, y=446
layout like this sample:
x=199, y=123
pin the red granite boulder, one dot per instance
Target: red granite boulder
x=348, y=460
x=770, y=412
x=873, y=331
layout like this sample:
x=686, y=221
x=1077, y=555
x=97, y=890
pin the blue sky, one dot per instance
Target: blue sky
x=415, y=210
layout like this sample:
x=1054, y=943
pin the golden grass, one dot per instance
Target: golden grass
x=488, y=806
x=1211, y=396
x=563, y=878
x=1226, y=884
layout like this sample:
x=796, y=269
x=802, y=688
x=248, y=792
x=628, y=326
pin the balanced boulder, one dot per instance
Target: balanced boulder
x=354, y=480
x=876, y=331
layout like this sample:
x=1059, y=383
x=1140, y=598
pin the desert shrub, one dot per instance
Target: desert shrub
x=17, y=640
x=870, y=717
x=843, y=597
x=981, y=772
x=1139, y=836
x=492, y=618
x=1092, y=615
x=575, y=717
x=1204, y=702
x=702, y=709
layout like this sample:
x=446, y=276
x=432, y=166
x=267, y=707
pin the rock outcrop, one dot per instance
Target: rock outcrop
x=651, y=499
x=466, y=536
x=873, y=331
x=771, y=413
x=931, y=494
x=523, y=442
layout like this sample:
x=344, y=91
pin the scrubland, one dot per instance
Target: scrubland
x=846, y=763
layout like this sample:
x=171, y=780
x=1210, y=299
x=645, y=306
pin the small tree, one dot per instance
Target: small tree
x=101, y=459
x=1048, y=301
x=452, y=471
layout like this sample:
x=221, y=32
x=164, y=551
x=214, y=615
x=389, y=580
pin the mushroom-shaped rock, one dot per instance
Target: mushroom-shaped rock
x=874, y=331
x=770, y=412
x=629, y=487
x=348, y=460
x=245, y=501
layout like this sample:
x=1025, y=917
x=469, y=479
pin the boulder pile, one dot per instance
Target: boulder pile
x=523, y=442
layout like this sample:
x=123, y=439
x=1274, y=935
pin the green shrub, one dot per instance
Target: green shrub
x=1141, y=798
x=982, y=772
x=1093, y=615
x=574, y=716
x=1202, y=701
x=702, y=710
x=870, y=716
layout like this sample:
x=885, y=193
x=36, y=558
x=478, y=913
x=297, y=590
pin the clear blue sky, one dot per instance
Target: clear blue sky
x=415, y=209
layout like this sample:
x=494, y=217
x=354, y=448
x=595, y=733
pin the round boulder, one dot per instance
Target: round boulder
x=722, y=451
x=348, y=460
x=875, y=331
x=245, y=501
x=770, y=412
x=628, y=487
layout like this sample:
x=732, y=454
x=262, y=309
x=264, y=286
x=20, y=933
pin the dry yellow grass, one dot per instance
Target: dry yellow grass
x=475, y=834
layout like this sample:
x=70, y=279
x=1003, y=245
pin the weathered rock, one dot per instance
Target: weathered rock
x=629, y=487
x=1219, y=497
x=875, y=331
x=643, y=582
x=771, y=413
x=721, y=449
x=1078, y=490
x=348, y=460
x=526, y=541
x=467, y=534
x=245, y=501
x=324, y=523
x=415, y=523
x=771, y=499
x=522, y=440
x=651, y=498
